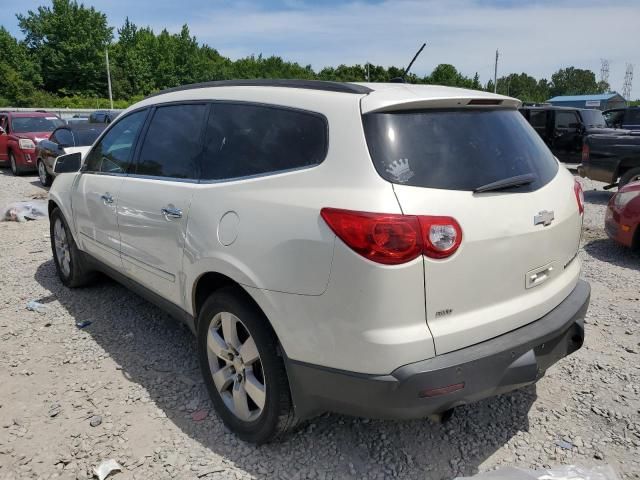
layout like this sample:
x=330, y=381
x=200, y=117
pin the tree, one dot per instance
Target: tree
x=69, y=41
x=574, y=81
x=19, y=72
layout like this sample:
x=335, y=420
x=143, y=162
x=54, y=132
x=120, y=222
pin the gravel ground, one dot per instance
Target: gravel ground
x=133, y=373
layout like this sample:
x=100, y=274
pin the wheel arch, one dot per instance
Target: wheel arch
x=210, y=282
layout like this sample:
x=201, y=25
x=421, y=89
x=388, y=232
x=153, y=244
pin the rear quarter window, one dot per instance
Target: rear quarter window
x=246, y=140
x=456, y=149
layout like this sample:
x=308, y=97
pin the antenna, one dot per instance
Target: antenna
x=604, y=70
x=628, y=78
x=413, y=60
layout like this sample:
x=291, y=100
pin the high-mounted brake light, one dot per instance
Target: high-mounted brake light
x=577, y=189
x=484, y=101
x=393, y=239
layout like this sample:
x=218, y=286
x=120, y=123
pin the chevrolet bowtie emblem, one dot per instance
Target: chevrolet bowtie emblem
x=545, y=217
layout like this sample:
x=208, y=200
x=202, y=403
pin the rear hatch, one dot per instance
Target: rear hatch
x=517, y=260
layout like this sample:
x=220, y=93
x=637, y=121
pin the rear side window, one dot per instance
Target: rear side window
x=173, y=142
x=113, y=153
x=456, y=149
x=538, y=118
x=632, y=116
x=63, y=137
x=567, y=120
x=244, y=140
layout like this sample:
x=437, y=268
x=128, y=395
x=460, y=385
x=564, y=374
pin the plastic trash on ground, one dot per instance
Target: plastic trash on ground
x=23, y=211
x=562, y=472
x=34, y=306
x=106, y=468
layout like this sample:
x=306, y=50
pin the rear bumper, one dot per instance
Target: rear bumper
x=499, y=365
x=617, y=228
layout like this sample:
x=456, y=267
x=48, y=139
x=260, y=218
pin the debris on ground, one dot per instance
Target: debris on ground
x=34, y=306
x=199, y=415
x=83, y=323
x=23, y=211
x=95, y=421
x=106, y=468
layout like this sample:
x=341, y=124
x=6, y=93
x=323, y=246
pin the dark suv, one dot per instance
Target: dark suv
x=628, y=118
x=564, y=128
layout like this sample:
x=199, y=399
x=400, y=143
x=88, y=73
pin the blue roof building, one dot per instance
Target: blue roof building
x=602, y=101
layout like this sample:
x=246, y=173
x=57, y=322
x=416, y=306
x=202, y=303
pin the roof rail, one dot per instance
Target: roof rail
x=340, y=87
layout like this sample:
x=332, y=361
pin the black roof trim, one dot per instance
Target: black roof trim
x=340, y=87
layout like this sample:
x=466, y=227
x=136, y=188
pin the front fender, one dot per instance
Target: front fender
x=60, y=194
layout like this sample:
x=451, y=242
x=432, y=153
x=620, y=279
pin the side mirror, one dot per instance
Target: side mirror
x=70, y=162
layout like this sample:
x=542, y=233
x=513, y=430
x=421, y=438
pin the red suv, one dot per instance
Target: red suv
x=20, y=132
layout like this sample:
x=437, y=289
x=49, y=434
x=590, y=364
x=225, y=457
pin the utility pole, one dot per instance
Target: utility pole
x=495, y=74
x=368, y=77
x=106, y=52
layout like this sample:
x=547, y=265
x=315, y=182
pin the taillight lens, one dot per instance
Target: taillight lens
x=585, y=152
x=393, y=239
x=442, y=236
x=577, y=189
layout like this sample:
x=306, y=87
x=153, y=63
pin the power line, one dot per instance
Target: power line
x=628, y=78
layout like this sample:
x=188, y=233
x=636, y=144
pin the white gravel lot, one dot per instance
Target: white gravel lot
x=137, y=369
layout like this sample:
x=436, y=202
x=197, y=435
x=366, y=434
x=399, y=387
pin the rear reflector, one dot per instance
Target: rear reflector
x=437, y=392
x=484, y=101
x=393, y=239
x=585, y=152
x=577, y=189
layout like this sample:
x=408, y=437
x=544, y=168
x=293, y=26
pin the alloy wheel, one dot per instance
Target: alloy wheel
x=42, y=172
x=63, y=252
x=236, y=367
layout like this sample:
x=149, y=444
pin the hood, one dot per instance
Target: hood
x=606, y=131
x=35, y=136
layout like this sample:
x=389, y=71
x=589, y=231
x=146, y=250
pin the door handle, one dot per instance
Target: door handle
x=107, y=199
x=171, y=212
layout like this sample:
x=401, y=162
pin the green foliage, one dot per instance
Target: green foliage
x=61, y=63
x=69, y=41
x=575, y=81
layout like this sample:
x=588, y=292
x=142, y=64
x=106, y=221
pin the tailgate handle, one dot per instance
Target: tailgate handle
x=536, y=278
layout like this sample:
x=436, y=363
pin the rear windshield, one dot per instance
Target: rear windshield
x=457, y=149
x=592, y=118
x=35, y=124
x=86, y=137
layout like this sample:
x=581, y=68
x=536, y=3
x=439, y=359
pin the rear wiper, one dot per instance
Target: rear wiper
x=516, y=181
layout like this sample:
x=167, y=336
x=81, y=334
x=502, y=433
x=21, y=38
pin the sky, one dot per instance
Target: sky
x=535, y=36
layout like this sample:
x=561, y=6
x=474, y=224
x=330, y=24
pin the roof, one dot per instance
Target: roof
x=341, y=87
x=581, y=98
x=82, y=126
x=315, y=95
x=30, y=114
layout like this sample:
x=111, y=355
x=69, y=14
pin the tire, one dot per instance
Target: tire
x=44, y=176
x=629, y=176
x=14, y=165
x=69, y=265
x=261, y=421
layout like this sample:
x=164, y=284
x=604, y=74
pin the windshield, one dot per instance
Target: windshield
x=593, y=118
x=457, y=149
x=35, y=124
x=87, y=136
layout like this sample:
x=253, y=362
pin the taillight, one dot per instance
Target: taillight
x=577, y=189
x=442, y=236
x=585, y=152
x=393, y=239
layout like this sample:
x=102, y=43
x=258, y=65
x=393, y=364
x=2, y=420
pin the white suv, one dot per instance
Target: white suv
x=383, y=250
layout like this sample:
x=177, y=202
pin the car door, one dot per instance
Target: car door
x=566, y=140
x=154, y=201
x=94, y=195
x=4, y=138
